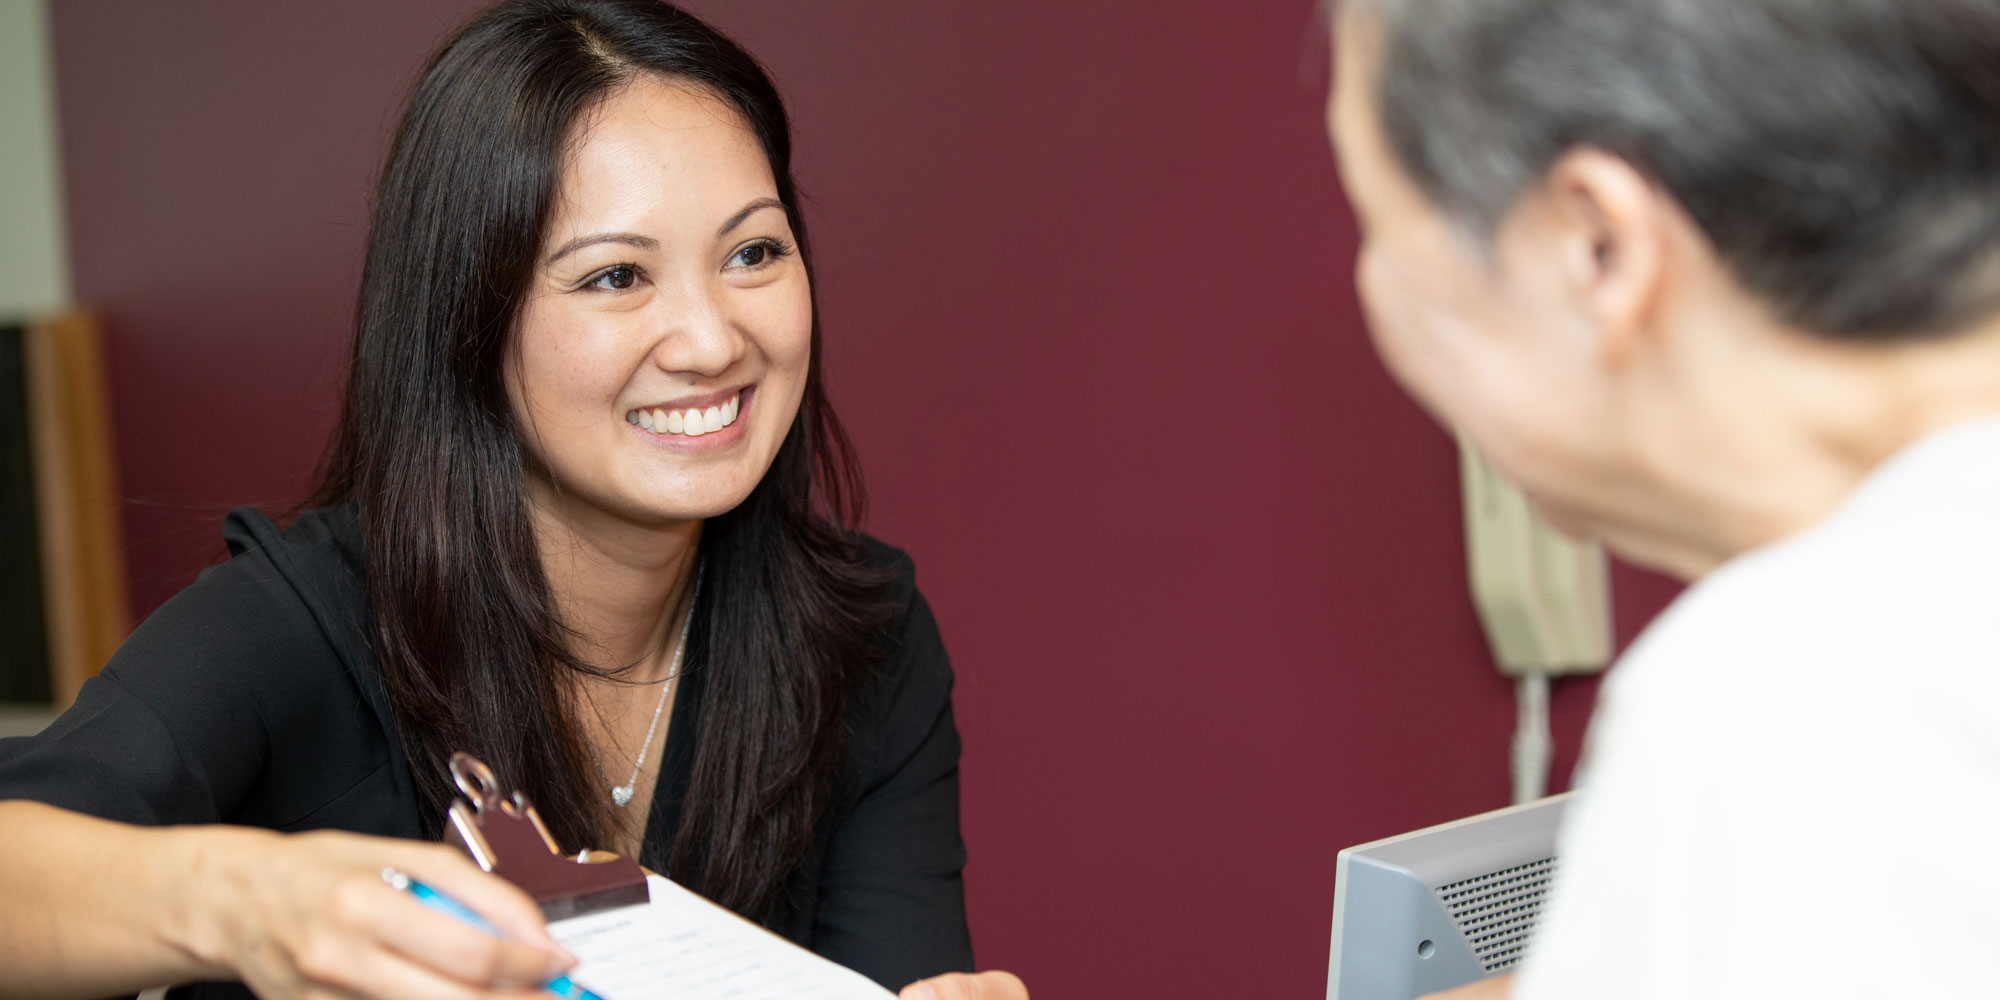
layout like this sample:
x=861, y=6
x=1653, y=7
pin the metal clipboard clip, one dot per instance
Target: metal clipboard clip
x=505, y=836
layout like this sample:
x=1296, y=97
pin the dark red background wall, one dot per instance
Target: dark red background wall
x=1085, y=277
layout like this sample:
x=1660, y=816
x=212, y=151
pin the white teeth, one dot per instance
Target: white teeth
x=692, y=422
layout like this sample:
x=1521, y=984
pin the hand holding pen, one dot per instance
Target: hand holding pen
x=312, y=917
x=560, y=986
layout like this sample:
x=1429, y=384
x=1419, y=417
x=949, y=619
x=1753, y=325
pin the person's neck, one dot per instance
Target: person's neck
x=622, y=586
x=1769, y=430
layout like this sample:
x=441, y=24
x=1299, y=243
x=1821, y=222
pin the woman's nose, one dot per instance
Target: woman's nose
x=698, y=335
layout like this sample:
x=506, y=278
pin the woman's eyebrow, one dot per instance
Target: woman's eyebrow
x=647, y=242
x=748, y=210
x=631, y=239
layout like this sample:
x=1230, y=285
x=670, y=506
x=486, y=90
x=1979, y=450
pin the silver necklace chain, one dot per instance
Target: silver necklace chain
x=622, y=794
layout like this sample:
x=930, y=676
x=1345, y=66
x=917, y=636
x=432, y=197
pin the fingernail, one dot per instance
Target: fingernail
x=920, y=992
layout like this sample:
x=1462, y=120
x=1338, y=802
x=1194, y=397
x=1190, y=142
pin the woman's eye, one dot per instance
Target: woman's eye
x=617, y=278
x=762, y=253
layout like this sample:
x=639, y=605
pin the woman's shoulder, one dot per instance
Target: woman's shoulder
x=896, y=565
x=323, y=542
x=907, y=612
x=288, y=606
x=245, y=697
x=912, y=680
x=311, y=567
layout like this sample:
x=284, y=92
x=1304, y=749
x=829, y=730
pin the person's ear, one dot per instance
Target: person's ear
x=1614, y=254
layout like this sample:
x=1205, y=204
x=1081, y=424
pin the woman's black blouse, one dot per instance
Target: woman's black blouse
x=252, y=698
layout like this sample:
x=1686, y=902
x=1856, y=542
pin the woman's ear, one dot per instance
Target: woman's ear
x=1614, y=227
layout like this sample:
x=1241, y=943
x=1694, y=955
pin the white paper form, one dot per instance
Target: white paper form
x=683, y=947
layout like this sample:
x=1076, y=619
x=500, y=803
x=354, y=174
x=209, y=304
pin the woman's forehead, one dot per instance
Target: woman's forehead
x=661, y=147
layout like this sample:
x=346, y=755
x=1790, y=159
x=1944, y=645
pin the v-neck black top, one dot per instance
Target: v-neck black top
x=252, y=698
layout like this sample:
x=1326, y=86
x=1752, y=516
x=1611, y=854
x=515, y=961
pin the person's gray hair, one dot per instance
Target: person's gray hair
x=1842, y=155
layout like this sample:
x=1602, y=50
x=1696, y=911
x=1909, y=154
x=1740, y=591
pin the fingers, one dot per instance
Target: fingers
x=383, y=975
x=461, y=951
x=523, y=957
x=1492, y=988
x=499, y=901
x=318, y=920
x=365, y=917
x=961, y=986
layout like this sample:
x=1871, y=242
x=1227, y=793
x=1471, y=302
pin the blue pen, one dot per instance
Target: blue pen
x=561, y=986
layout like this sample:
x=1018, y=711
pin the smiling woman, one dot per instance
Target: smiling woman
x=675, y=296
x=587, y=515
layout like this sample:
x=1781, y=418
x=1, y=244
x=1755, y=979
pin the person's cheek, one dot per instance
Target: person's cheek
x=1388, y=306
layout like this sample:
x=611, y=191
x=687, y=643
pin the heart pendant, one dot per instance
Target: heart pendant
x=621, y=794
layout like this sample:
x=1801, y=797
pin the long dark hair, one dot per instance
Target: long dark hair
x=471, y=648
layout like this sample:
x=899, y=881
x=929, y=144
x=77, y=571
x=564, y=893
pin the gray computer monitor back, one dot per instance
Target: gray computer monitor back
x=1443, y=906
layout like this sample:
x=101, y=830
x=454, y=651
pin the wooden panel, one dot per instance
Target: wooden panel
x=76, y=498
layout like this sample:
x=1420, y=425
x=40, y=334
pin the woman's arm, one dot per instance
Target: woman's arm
x=97, y=908
x=891, y=900
x=233, y=704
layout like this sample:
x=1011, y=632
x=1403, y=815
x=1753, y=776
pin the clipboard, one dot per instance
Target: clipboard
x=505, y=836
x=639, y=935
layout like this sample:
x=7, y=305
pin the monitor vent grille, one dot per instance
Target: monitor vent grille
x=1496, y=912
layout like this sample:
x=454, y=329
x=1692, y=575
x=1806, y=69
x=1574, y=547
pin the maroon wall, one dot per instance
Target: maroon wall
x=1085, y=279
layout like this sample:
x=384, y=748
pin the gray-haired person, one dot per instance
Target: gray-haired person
x=1718, y=282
